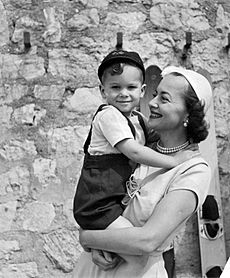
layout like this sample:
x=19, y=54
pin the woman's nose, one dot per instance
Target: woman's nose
x=153, y=103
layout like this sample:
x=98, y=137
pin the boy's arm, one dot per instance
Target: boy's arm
x=145, y=155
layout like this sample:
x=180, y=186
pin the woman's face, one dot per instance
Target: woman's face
x=167, y=108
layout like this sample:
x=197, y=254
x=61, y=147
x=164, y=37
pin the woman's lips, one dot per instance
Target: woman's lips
x=155, y=115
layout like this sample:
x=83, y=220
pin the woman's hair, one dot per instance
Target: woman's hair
x=197, y=128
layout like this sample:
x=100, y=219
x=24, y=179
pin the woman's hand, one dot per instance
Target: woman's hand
x=105, y=260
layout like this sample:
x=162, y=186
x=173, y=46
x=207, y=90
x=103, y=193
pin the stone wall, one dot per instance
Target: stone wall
x=48, y=93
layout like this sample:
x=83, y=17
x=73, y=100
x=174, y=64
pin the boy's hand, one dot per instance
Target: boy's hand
x=191, y=151
x=181, y=157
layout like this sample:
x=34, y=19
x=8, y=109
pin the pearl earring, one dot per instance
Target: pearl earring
x=185, y=123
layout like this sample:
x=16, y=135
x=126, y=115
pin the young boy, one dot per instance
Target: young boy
x=117, y=134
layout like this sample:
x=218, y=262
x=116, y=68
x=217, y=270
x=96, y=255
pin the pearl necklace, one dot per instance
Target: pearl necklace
x=171, y=150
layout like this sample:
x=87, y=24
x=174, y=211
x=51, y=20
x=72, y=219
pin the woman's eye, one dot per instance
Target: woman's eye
x=164, y=99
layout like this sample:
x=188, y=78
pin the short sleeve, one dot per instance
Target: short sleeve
x=196, y=179
x=113, y=125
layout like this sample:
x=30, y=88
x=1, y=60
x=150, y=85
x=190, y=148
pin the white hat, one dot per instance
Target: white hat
x=199, y=83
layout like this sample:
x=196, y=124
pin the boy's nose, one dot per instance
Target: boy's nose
x=124, y=92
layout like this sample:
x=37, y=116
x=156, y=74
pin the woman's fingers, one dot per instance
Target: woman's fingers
x=99, y=259
x=107, y=256
x=104, y=260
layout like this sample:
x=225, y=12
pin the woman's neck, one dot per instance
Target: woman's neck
x=170, y=140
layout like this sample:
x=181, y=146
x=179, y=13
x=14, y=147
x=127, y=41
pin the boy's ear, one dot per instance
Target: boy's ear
x=143, y=87
x=102, y=90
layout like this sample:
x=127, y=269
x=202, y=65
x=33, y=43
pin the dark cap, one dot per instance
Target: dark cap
x=121, y=56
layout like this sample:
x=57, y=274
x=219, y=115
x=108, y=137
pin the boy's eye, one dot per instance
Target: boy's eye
x=116, y=87
x=132, y=87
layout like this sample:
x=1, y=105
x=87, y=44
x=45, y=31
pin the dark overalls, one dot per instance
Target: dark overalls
x=101, y=186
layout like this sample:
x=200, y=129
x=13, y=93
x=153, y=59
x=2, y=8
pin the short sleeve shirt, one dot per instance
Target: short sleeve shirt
x=110, y=127
x=155, y=183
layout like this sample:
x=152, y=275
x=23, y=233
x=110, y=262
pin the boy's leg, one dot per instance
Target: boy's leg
x=120, y=222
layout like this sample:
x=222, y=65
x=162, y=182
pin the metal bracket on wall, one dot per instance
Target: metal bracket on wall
x=27, y=44
x=187, y=46
x=119, y=40
x=227, y=47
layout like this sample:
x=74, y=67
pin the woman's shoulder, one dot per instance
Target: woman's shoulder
x=194, y=175
x=196, y=160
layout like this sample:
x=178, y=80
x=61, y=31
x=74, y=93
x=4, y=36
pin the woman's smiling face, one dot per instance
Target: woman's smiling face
x=167, y=108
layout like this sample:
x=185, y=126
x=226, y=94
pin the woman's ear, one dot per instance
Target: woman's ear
x=102, y=90
x=143, y=90
x=186, y=121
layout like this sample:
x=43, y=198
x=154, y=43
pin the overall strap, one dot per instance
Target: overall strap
x=131, y=127
x=142, y=124
x=88, y=139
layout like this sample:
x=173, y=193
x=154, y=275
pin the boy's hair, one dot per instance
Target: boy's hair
x=117, y=69
x=118, y=57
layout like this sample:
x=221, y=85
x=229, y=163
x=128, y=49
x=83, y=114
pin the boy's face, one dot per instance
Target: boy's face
x=124, y=90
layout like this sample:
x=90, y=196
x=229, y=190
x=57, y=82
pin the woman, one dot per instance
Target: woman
x=162, y=200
